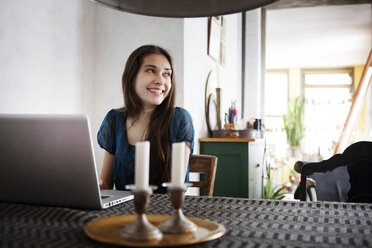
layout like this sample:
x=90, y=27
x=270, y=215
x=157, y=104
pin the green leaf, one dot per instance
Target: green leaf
x=273, y=193
x=293, y=122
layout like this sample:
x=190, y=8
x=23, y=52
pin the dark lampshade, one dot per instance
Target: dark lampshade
x=184, y=8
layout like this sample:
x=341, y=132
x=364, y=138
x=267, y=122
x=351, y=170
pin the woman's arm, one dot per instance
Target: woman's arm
x=105, y=179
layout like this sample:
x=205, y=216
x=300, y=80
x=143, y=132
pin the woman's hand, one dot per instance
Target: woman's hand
x=106, y=178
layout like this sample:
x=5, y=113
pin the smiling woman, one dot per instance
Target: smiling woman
x=149, y=114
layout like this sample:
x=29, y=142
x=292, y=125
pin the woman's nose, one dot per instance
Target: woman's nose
x=159, y=79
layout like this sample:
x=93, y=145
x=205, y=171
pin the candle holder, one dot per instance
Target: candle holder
x=141, y=229
x=177, y=223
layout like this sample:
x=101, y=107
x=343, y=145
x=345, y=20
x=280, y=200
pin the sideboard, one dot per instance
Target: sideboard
x=240, y=166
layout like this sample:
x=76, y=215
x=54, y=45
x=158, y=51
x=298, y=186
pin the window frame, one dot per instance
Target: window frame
x=348, y=70
x=307, y=71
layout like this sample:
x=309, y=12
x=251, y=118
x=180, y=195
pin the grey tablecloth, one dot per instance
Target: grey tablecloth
x=249, y=223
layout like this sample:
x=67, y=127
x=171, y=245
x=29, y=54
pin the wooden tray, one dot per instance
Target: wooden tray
x=107, y=230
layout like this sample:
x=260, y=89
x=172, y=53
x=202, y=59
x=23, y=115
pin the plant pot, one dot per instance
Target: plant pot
x=294, y=152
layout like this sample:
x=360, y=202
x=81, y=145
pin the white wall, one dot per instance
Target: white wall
x=116, y=35
x=45, y=56
x=198, y=64
x=68, y=57
x=231, y=73
x=196, y=68
x=322, y=36
x=253, y=91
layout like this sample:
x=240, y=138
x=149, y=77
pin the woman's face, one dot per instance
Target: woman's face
x=153, y=80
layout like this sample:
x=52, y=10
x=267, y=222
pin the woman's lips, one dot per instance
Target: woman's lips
x=157, y=92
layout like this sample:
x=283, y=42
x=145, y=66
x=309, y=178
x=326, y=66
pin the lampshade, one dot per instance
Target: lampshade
x=184, y=8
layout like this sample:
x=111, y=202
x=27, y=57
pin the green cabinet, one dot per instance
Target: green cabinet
x=240, y=166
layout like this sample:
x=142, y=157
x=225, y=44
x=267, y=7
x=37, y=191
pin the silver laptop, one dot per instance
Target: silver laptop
x=49, y=160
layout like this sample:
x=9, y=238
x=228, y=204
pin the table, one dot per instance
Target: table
x=249, y=223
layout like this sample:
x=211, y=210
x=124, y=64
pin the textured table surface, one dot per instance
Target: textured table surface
x=249, y=223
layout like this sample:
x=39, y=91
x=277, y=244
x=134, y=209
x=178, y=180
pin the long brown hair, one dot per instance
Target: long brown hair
x=158, y=128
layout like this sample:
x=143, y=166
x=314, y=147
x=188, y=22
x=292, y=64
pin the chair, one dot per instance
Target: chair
x=204, y=164
x=353, y=165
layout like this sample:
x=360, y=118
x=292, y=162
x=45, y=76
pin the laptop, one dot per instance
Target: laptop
x=49, y=160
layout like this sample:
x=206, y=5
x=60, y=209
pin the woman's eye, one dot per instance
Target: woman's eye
x=150, y=70
x=168, y=74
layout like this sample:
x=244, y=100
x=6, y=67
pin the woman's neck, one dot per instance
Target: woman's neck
x=137, y=129
x=147, y=112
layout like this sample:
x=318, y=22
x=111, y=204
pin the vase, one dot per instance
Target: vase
x=294, y=152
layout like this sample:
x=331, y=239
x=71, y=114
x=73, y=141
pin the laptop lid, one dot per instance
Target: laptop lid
x=49, y=160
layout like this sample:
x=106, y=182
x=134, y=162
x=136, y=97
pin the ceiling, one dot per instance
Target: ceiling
x=321, y=36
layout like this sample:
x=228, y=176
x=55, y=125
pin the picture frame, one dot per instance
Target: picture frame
x=214, y=38
x=223, y=42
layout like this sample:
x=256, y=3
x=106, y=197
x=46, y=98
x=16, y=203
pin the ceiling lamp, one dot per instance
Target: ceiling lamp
x=184, y=8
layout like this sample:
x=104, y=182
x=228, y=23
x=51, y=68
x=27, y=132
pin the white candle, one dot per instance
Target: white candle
x=178, y=164
x=142, y=165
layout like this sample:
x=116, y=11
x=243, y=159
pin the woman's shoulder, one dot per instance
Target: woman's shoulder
x=181, y=127
x=181, y=118
x=115, y=115
x=110, y=128
x=181, y=113
x=114, y=118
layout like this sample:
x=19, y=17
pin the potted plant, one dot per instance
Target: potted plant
x=270, y=191
x=293, y=124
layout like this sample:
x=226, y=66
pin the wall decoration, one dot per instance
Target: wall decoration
x=212, y=103
x=214, y=39
x=223, y=42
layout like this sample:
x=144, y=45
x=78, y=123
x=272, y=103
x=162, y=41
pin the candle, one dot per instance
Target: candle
x=178, y=164
x=142, y=165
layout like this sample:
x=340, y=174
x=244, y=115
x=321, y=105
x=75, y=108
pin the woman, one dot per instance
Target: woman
x=149, y=114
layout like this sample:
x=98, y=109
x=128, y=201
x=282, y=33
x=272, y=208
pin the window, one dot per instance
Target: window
x=328, y=95
x=276, y=99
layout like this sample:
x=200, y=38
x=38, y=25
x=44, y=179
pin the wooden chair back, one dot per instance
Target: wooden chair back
x=204, y=164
